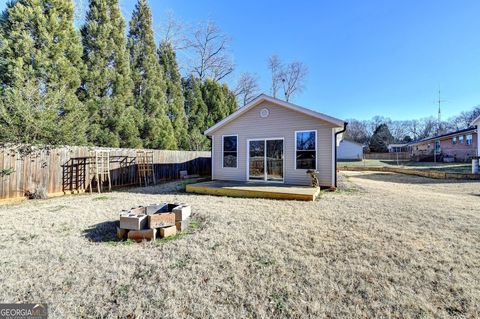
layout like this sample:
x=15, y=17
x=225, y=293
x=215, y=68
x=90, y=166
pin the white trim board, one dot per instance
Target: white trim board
x=265, y=180
x=295, y=150
x=227, y=135
x=262, y=98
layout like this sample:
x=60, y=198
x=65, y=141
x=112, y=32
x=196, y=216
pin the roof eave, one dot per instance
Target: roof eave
x=264, y=97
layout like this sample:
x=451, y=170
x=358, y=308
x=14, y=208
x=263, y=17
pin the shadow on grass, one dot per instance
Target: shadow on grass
x=106, y=232
x=407, y=179
x=171, y=188
x=102, y=232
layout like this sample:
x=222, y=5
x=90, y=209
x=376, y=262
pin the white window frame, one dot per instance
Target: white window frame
x=223, y=153
x=265, y=178
x=454, y=140
x=469, y=139
x=461, y=139
x=316, y=150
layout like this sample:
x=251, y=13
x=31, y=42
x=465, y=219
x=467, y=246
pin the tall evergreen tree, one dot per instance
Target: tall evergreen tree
x=380, y=139
x=173, y=93
x=220, y=101
x=107, y=84
x=149, y=85
x=196, y=111
x=41, y=61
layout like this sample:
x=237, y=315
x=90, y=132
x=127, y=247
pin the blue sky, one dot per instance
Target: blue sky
x=365, y=58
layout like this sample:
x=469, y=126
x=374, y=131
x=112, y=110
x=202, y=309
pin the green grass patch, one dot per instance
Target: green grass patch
x=117, y=242
x=57, y=208
x=194, y=224
x=101, y=198
x=182, y=185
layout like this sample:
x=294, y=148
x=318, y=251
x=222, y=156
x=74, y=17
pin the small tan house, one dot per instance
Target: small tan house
x=270, y=140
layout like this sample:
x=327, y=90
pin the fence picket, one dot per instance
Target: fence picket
x=49, y=168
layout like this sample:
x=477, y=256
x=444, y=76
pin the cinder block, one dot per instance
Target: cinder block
x=182, y=224
x=133, y=221
x=161, y=220
x=140, y=210
x=145, y=234
x=182, y=212
x=122, y=233
x=183, y=174
x=155, y=208
x=168, y=231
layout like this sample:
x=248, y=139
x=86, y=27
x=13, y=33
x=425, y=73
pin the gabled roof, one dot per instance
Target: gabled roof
x=477, y=120
x=262, y=98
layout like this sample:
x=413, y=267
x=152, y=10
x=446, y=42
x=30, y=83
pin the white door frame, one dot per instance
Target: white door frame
x=265, y=139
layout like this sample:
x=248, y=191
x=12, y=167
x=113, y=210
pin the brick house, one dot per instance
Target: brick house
x=458, y=146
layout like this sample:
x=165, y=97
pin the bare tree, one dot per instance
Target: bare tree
x=275, y=67
x=210, y=52
x=293, y=78
x=357, y=131
x=247, y=88
x=173, y=31
x=399, y=130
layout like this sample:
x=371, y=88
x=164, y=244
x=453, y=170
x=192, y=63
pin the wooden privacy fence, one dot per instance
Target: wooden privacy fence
x=66, y=170
x=401, y=156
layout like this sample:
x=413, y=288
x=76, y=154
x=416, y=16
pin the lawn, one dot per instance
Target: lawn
x=384, y=246
x=444, y=167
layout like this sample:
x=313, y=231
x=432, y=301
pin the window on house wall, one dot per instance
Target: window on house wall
x=230, y=150
x=460, y=139
x=454, y=140
x=306, y=150
x=437, y=146
x=469, y=139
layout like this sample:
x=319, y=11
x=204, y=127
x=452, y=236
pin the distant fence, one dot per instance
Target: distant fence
x=401, y=156
x=65, y=170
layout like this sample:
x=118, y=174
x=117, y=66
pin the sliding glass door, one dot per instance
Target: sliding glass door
x=265, y=160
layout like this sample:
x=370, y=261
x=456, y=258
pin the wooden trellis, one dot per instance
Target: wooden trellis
x=99, y=169
x=145, y=168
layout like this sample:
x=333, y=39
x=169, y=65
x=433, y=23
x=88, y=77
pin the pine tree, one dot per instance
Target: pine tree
x=149, y=85
x=231, y=99
x=220, y=101
x=41, y=62
x=107, y=84
x=380, y=139
x=196, y=111
x=29, y=115
x=173, y=93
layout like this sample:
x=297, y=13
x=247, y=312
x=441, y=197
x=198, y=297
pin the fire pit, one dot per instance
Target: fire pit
x=152, y=221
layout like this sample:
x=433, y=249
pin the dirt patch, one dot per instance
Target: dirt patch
x=403, y=246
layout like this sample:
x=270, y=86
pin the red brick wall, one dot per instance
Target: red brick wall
x=460, y=151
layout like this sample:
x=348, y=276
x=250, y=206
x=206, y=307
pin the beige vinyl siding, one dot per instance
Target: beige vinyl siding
x=281, y=123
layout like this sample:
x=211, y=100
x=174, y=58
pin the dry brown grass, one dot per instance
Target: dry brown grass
x=395, y=246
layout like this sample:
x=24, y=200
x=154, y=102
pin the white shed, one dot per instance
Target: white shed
x=348, y=150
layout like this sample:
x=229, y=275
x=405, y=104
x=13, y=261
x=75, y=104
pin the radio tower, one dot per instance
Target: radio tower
x=439, y=123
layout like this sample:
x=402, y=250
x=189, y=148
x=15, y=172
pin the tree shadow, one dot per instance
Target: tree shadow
x=407, y=179
x=102, y=232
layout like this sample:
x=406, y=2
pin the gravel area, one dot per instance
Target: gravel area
x=383, y=246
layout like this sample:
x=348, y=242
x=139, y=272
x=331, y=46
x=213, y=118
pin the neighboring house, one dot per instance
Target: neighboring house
x=270, y=140
x=349, y=150
x=476, y=123
x=398, y=148
x=458, y=146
